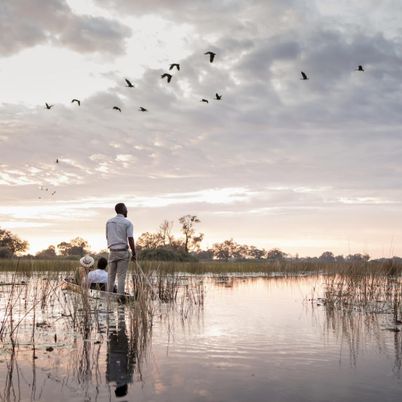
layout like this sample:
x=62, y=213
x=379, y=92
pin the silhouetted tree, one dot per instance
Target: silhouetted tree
x=339, y=258
x=327, y=256
x=191, y=240
x=5, y=252
x=166, y=253
x=255, y=253
x=204, y=254
x=149, y=240
x=49, y=252
x=11, y=244
x=76, y=247
x=165, y=231
x=275, y=254
x=357, y=257
x=225, y=250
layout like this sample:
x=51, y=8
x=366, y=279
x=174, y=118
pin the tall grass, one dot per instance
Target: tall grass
x=29, y=266
x=265, y=267
x=372, y=291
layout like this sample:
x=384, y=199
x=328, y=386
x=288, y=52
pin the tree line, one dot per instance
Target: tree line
x=163, y=245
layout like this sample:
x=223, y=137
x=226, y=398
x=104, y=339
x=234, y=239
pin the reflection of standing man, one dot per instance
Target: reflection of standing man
x=120, y=356
x=119, y=235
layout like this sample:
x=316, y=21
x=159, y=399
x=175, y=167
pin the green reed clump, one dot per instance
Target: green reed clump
x=369, y=288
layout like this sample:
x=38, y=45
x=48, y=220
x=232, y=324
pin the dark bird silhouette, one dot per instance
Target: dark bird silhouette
x=304, y=76
x=57, y=160
x=360, y=68
x=211, y=56
x=48, y=107
x=53, y=193
x=142, y=109
x=204, y=100
x=129, y=84
x=168, y=76
x=175, y=65
x=218, y=97
x=116, y=108
x=77, y=101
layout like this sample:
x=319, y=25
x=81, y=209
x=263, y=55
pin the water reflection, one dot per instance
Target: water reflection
x=121, y=354
x=356, y=330
x=255, y=339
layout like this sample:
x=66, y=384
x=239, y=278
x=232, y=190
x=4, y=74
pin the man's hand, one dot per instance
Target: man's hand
x=132, y=247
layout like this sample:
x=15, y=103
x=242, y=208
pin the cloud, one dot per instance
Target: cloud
x=309, y=154
x=26, y=23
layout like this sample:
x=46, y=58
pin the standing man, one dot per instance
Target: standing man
x=119, y=235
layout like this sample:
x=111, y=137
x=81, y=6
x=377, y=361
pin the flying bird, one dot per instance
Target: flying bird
x=204, y=100
x=142, y=109
x=360, y=68
x=57, y=160
x=304, y=76
x=48, y=107
x=116, y=108
x=211, y=56
x=129, y=84
x=175, y=65
x=218, y=97
x=77, y=101
x=168, y=76
x=53, y=193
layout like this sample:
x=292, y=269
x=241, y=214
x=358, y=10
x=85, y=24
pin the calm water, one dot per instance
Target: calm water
x=254, y=340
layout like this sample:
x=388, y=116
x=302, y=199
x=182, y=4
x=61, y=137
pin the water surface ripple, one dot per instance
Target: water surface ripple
x=258, y=339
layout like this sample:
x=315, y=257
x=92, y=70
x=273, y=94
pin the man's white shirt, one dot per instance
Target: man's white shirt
x=118, y=229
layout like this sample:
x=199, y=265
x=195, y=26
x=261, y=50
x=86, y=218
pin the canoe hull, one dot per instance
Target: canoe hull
x=97, y=294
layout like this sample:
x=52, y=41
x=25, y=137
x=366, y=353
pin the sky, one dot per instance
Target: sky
x=303, y=165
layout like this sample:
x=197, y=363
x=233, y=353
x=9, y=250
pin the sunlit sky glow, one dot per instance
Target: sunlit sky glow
x=306, y=166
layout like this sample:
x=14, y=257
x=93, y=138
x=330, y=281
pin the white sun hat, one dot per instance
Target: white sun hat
x=87, y=261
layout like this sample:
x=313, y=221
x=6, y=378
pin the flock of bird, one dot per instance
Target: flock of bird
x=168, y=77
x=46, y=191
x=129, y=84
x=305, y=77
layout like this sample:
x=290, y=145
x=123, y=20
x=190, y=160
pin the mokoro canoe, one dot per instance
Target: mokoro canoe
x=98, y=294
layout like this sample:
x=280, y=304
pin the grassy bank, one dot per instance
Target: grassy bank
x=286, y=267
x=26, y=265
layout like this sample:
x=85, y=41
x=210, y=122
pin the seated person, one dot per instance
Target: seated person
x=97, y=279
x=81, y=273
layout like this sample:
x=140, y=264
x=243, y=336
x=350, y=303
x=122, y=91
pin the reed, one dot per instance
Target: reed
x=375, y=290
x=29, y=266
x=242, y=267
x=263, y=267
